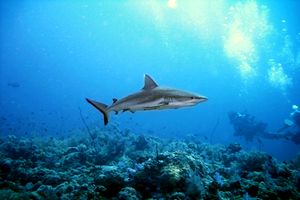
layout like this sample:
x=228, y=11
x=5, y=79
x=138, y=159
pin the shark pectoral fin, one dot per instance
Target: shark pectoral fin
x=149, y=83
x=152, y=107
x=101, y=107
x=164, y=103
x=127, y=109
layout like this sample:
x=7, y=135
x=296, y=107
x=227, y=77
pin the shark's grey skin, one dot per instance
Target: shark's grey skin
x=151, y=97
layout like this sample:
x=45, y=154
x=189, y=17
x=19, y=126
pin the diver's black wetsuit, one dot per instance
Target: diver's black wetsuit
x=246, y=126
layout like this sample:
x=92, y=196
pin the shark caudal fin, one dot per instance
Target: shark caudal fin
x=101, y=107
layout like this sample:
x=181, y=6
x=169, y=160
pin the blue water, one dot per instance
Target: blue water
x=244, y=56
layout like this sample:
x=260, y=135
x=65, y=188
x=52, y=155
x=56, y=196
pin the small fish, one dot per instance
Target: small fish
x=151, y=97
x=14, y=84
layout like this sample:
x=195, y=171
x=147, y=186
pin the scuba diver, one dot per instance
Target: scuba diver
x=246, y=126
x=292, y=126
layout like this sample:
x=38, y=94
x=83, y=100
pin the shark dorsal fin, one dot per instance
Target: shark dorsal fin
x=149, y=83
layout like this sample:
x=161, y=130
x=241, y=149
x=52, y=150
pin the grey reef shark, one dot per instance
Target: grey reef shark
x=150, y=97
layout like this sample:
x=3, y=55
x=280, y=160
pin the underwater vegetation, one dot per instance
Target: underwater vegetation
x=114, y=164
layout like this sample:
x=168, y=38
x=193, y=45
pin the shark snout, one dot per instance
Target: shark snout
x=201, y=99
x=195, y=99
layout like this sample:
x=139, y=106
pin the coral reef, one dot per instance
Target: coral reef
x=121, y=165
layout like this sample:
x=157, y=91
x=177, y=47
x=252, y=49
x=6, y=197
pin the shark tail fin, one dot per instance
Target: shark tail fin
x=101, y=107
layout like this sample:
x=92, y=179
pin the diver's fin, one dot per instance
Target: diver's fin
x=149, y=83
x=101, y=107
x=115, y=100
